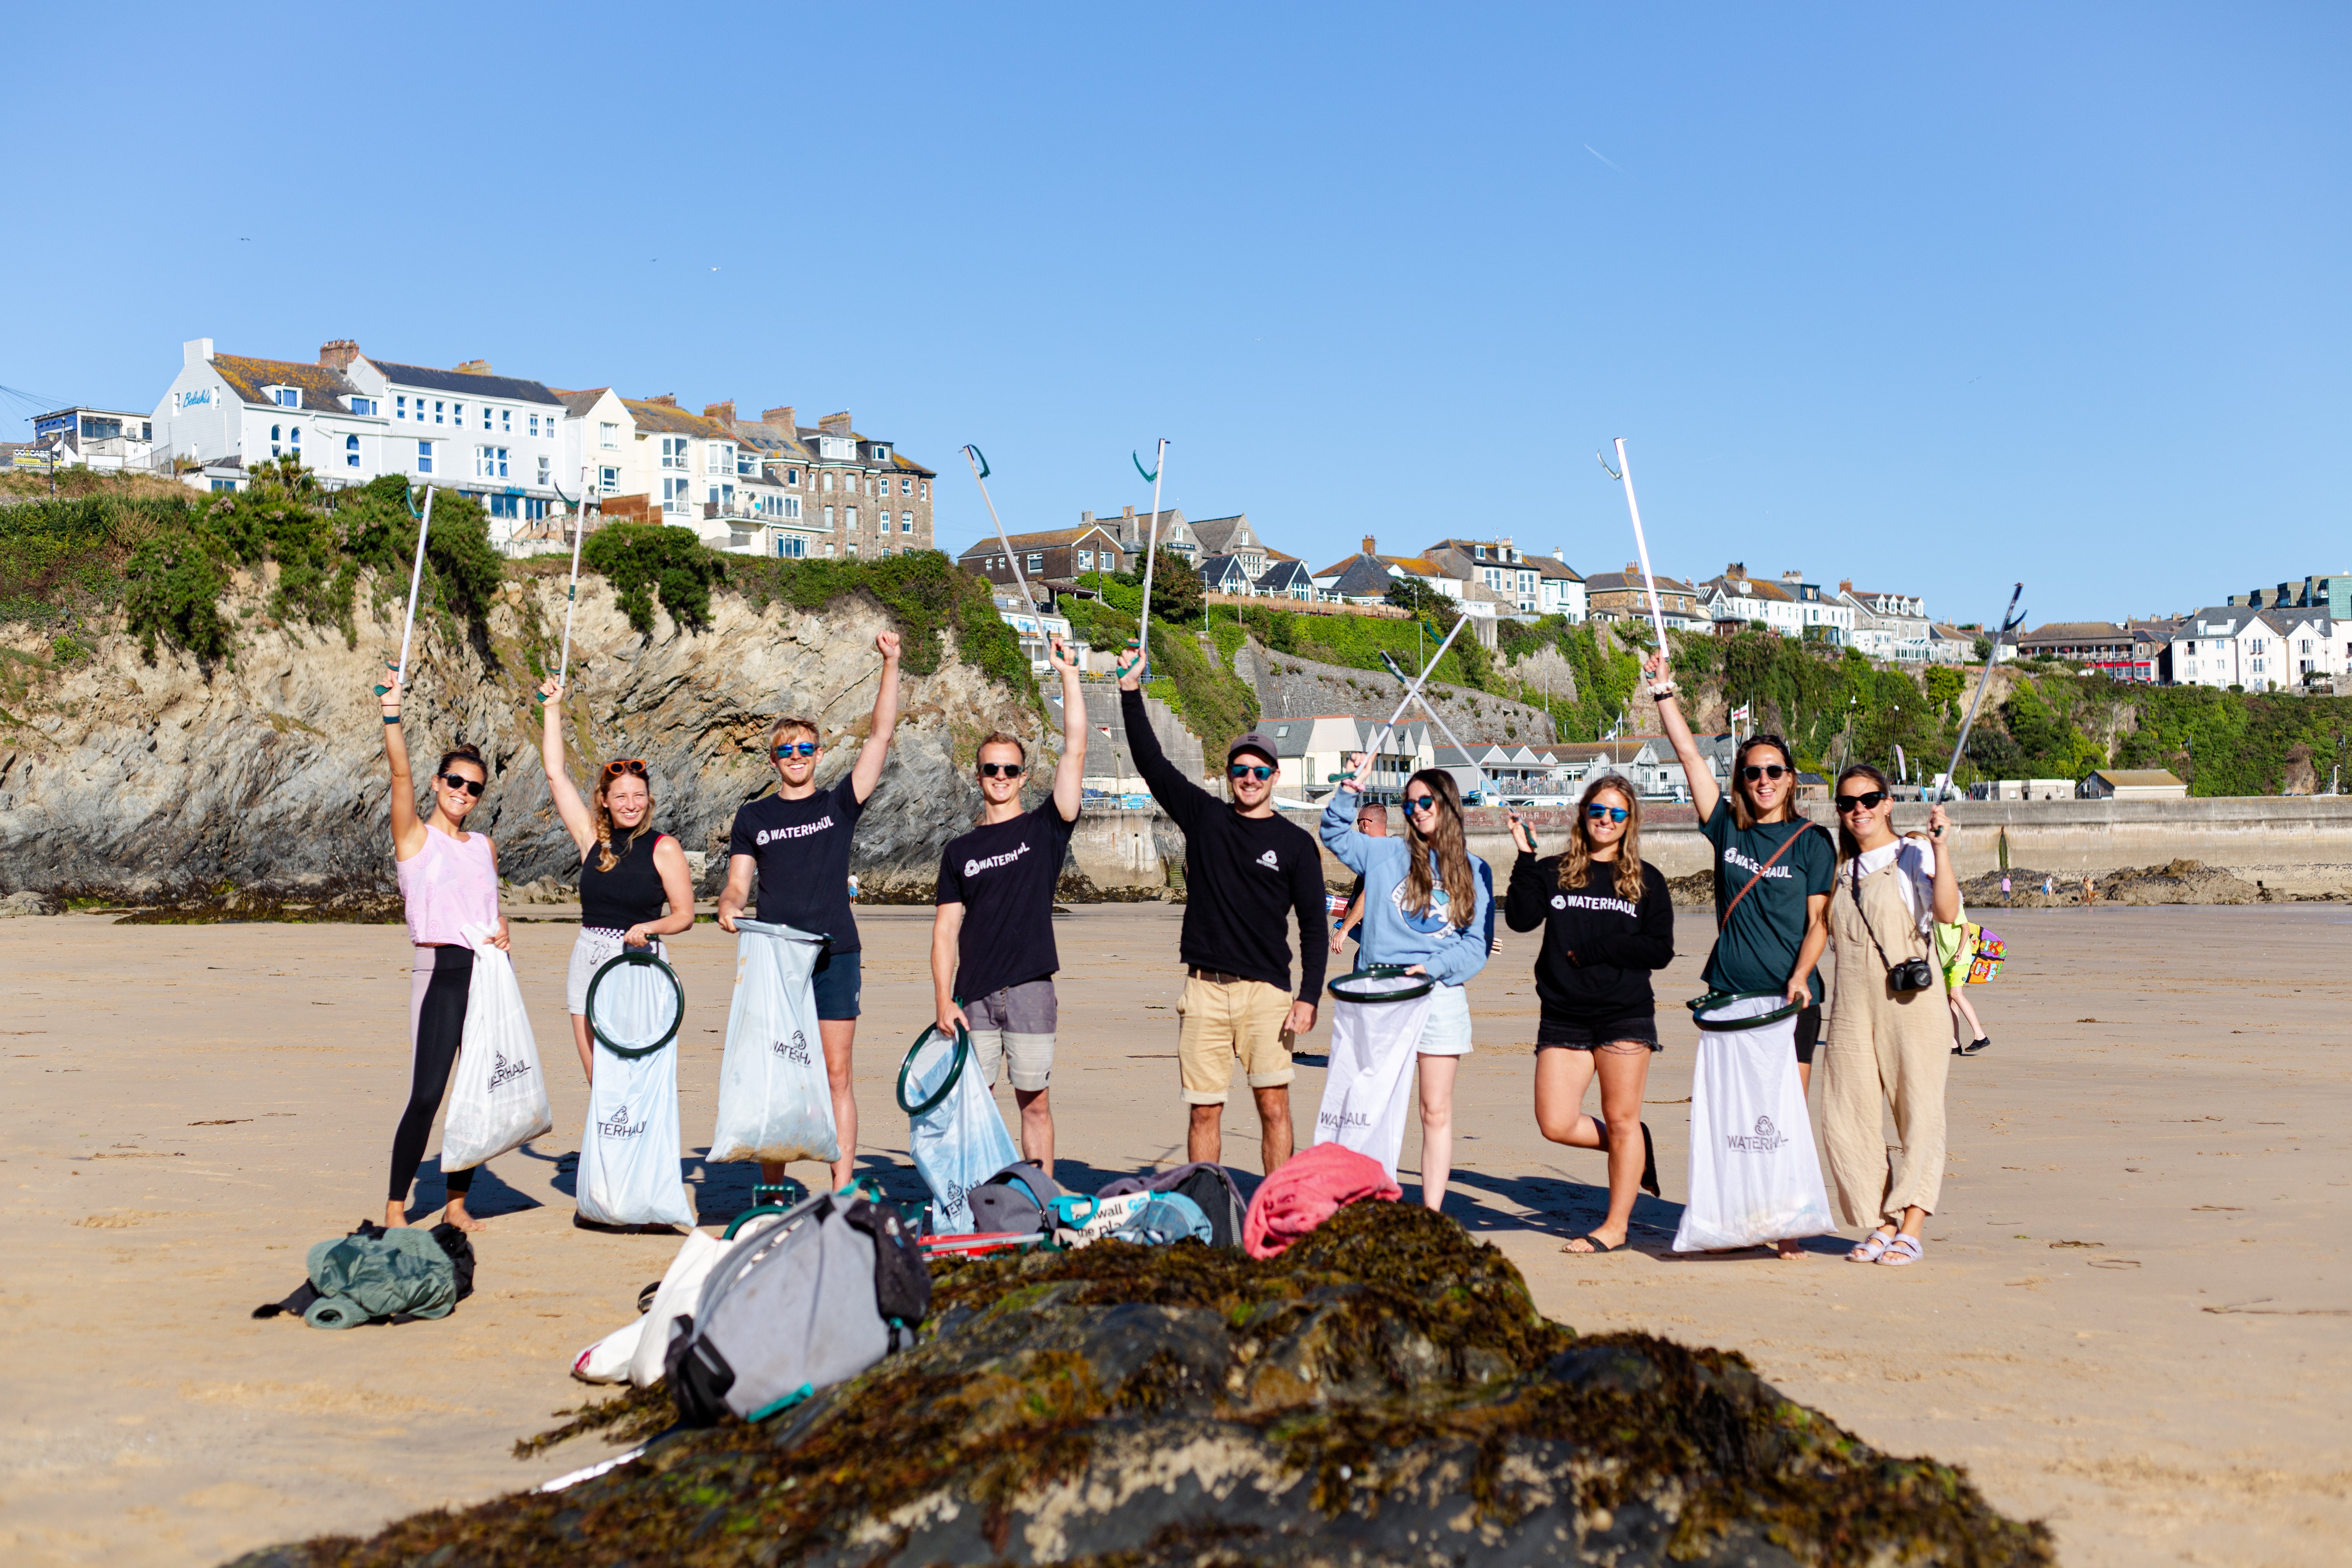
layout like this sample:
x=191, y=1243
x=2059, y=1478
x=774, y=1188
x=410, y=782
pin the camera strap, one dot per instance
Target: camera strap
x=1856, y=863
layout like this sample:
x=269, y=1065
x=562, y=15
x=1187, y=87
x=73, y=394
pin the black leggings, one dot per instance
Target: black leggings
x=437, y=1016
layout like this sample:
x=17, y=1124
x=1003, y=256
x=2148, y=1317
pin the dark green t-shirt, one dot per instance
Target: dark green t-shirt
x=1757, y=951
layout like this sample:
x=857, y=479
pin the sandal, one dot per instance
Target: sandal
x=1649, y=1164
x=1595, y=1246
x=1870, y=1248
x=1901, y=1251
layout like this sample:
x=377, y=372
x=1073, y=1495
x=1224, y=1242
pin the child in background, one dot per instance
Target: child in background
x=1953, y=954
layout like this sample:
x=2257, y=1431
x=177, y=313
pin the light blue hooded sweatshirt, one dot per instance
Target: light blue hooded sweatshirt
x=1393, y=934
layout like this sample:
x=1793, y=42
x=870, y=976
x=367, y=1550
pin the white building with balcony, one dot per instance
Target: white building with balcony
x=2258, y=650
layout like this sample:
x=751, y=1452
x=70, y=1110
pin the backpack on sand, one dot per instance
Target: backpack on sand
x=1016, y=1201
x=378, y=1275
x=1211, y=1187
x=827, y=1289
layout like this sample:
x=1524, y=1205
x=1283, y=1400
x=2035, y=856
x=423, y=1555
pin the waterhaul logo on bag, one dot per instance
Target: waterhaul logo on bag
x=1270, y=860
x=1340, y=1120
x=504, y=1071
x=794, y=1050
x=1763, y=1140
x=618, y=1124
x=800, y=830
x=975, y=868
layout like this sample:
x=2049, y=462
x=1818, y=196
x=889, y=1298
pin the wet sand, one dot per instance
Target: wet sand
x=2133, y=1321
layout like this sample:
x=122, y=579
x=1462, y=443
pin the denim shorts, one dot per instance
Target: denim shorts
x=1560, y=1033
x=835, y=981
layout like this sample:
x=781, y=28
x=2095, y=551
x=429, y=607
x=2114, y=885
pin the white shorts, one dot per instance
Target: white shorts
x=594, y=949
x=1446, y=1032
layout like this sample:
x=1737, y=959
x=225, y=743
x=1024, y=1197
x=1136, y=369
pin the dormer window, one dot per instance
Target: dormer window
x=286, y=396
x=362, y=405
x=881, y=453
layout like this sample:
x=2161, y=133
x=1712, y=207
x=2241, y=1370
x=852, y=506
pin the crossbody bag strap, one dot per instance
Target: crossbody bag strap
x=1725, y=923
x=1887, y=963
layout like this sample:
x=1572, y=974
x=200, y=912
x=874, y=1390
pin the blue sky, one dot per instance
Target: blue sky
x=1931, y=300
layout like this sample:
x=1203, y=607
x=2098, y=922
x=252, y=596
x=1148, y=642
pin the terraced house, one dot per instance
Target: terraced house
x=863, y=496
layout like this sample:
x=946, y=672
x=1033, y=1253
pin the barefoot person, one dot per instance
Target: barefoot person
x=797, y=841
x=1772, y=874
x=992, y=955
x=628, y=868
x=1608, y=922
x=1246, y=871
x=1888, y=1049
x=448, y=880
x=1427, y=910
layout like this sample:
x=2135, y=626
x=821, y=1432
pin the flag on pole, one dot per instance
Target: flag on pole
x=1739, y=714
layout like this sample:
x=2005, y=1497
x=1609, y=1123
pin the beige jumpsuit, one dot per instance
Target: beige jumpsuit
x=1882, y=1048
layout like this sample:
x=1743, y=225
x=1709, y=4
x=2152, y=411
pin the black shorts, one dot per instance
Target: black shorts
x=1561, y=1034
x=1809, y=1034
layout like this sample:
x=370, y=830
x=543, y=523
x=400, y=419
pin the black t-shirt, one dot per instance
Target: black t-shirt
x=803, y=850
x=1757, y=951
x=1599, y=948
x=1004, y=875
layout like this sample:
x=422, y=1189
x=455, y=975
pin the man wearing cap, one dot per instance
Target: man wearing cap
x=1247, y=872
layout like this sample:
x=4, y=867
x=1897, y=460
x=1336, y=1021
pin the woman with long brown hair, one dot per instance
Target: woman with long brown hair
x=1889, y=1045
x=628, y=868
x=1608, y=920
x=1426, y=905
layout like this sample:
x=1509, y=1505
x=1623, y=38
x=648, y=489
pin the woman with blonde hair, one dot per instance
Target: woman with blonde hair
x=1426, y=905
x=628, y=868
x=1608, y=922
x=1889, y=1041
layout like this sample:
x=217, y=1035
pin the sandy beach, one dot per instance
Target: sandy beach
x=2133, y=1320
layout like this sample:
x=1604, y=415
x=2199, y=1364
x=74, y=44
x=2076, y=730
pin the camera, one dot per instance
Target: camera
x=1911, y=974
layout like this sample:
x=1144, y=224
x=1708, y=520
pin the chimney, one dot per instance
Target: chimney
x=1792, y=577
x=1370, y=545
x=836, y=424
x=338, y=355
x=1846, y=584
x=1086, y=520
x=1559, y=553
x=722, y=411
x=1633, y=569
x=474, y=367
x=781, y=418
x=196, y=350
x=667, y=400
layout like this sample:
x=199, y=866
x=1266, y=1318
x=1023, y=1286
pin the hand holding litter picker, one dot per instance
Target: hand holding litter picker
x=571, y=595
x=416, y=577
x=1152, y=546
x=1623, y=473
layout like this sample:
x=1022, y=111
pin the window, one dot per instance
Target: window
x=506, y=421
x=362, y=405
x=853, y=548
x=849, y=518
x=286, y=396
x=485, y=416
x=534, y=510
x=424, y=457
x=608, y=434
x=502, y=506
x=490, y=462
x=793, y=476
x=712, y=495
x=350, y=451
x=437, y=409
x=825, y=483
x=923, y=489
x=400, y=407
x=792, y=506
x=533, y=422
x=907, y=523
x=608, y=479
x=715, y=458
x=673, y=451
x=1085, y=560
x=543, y=463
x=456, y=414
x=1036, y=562
x=675, y=495
x=744, y=462
x=905, y=487
x=792, y=544
x=828, y=519
x=881, y=453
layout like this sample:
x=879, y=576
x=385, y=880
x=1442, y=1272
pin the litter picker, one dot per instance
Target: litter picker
x=979, y=472
x=1624, y=474
x=1391, y=662
x=2010, y=622
x=571, y=595
x=416, y=577
x=1151, y=556
x=1412, y=691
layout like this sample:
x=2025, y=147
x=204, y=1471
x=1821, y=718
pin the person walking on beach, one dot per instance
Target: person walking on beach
x=1608, y=922
x=1889, y=1043
x=628, y=868
x=1246, y=871
x=1427, y=910
x=1372, y=822
x=993, y=954
x=448, y=880
x=1773, y=869
x=1953, y=956
x=797, y=841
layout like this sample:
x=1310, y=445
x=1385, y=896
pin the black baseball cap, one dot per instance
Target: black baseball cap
x=1252, y=742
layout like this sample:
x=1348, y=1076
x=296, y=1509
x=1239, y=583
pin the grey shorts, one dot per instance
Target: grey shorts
x=1015, y=1027
x=593, y=949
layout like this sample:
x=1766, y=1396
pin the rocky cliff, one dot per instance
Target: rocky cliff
x=146, y=781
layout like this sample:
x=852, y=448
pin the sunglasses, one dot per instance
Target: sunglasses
x=1001, y=770
x=796, y=748
x=1248, y=771
x=1866, y=802
x=1613, y=813
x=636, y=765
x=1769, y=771
x=1421, y=802
x=459, y=781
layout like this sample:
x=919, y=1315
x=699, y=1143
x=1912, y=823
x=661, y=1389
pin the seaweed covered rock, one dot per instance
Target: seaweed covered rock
x=1384, y=1393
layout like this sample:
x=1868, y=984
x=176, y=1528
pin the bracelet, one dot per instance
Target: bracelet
x=1663, y=692
x=391, y=718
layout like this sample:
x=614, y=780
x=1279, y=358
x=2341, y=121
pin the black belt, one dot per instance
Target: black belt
x=1215, y=977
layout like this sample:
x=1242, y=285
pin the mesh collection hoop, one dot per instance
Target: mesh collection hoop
x=1724, y=1012
x=955, y=1070
x=1382, y=982
x=635, y=1003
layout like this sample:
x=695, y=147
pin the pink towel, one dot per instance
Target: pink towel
x=1314, y=1184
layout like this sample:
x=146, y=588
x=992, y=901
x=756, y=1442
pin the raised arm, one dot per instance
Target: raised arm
x=1338, y=829
x=1948, y=880
x=1070, y=774
x=407, y=828
x=1527, y=901
x=1704, y=793
x=877, y=749
x=577, y=820
x=1181, y=798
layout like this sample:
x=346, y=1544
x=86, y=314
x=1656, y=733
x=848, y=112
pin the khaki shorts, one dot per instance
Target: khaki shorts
x=1238, y=1021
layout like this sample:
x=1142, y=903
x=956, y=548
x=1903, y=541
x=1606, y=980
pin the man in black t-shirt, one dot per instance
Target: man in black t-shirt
x=797, y=841
x=993, y=956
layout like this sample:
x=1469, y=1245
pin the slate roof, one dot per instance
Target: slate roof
x=1618, y=582
x=1217, y=571
x=1756, y=589
x=321, y=387
x=1052, y=538
x=1216, y=533
x=2138, y=778
x=1284, y=575
x=579, y=403
x=1553, y=566
x=2076, y=632
x=1361, y=577
x=513, y=389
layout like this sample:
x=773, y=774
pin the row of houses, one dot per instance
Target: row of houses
x=533, y=454
x=2229, y=646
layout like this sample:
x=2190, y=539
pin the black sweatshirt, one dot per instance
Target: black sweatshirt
x=1243, y=876
x=1598, y=949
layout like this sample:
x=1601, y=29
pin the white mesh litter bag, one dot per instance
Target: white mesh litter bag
x=1376, y=1025
x=955, y=1134
x=498, y=1096
x=628, y=1171
x=1755, y=1177
x=774, y=1104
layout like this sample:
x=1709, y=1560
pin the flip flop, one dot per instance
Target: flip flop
x=1598, y=1246
x=1649, y=1164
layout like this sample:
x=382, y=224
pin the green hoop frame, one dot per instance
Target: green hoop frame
x=963, y=1054
x=1713, y=999
x=1380, y=972
x=637, y=956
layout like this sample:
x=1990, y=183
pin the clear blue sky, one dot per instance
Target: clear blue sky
x=1928, y=297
